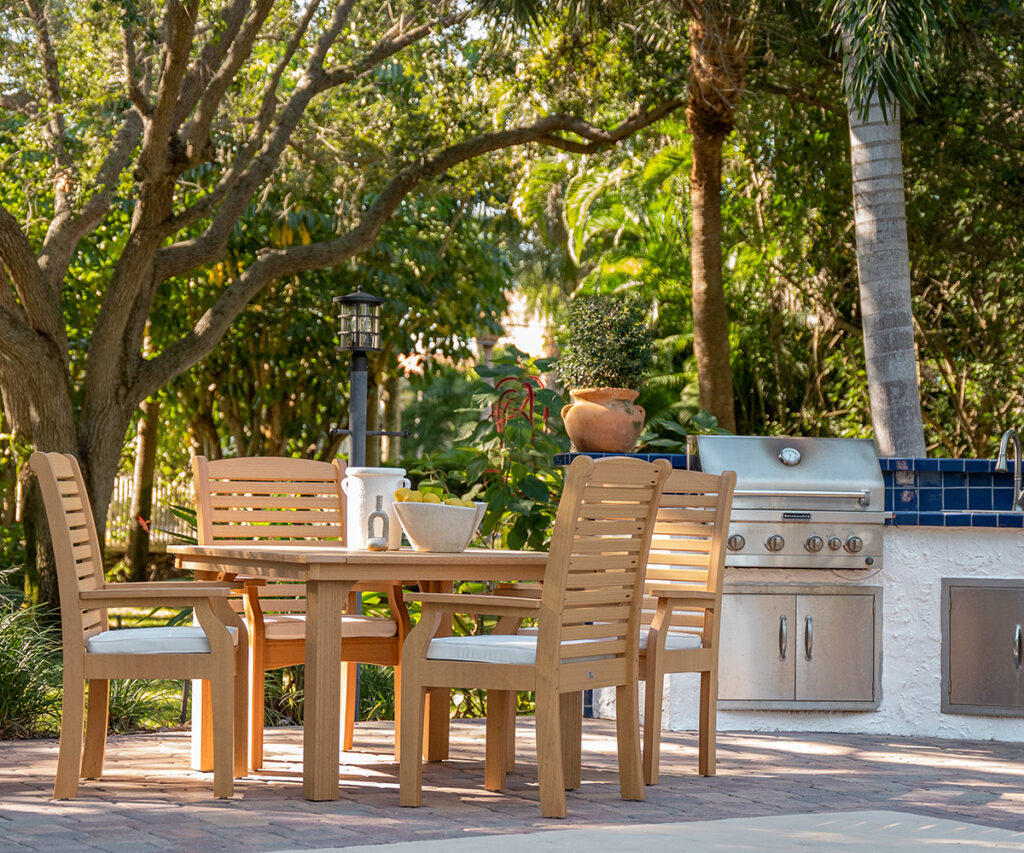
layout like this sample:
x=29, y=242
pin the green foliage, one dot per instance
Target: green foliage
x=889, y=48
x=504, y=456
x=29, y=669
x=608, y=342
x=136, y=706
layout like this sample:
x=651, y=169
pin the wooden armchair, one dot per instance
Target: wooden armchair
x=587, y=634
x=214, y=651
x=282, y=500
x=682, y=604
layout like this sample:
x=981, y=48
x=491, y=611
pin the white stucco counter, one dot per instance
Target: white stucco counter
x=915, y=561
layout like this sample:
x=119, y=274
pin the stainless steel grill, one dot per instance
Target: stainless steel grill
x=800, y=503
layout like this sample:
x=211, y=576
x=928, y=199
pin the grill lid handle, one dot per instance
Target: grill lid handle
x=862, y=496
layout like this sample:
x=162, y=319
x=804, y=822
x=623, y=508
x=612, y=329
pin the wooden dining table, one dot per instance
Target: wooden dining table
x=330, y=572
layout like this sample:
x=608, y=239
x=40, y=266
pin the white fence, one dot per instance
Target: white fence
x=164, y=527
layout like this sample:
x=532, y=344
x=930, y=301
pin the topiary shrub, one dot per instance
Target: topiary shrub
x=608, y=343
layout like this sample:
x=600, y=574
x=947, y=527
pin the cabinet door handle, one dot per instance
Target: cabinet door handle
x=1018, y=646
x=783, y=637
x=808, y=637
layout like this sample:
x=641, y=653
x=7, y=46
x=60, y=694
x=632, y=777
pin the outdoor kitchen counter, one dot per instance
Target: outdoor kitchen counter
x=951, y=520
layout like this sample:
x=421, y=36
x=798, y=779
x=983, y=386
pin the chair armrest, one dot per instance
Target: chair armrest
x=169, y=594
x=497, y=605
x=520, y=589
x=681, y=597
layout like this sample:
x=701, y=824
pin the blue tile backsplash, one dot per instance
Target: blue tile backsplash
x=949, y=493
x=931, y=492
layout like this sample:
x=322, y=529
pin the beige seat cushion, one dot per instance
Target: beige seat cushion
x=183, y=640
x=292, y=626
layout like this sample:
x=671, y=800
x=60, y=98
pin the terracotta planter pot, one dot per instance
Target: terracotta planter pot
x=603, y=420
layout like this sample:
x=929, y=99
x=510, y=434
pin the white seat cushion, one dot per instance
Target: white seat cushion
x=495, y=648
x=674, y=641
x=486, y=648
x=183, y=640
x=292, y=626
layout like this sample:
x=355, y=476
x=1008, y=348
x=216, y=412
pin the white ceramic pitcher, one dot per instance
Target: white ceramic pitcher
x=363, y=486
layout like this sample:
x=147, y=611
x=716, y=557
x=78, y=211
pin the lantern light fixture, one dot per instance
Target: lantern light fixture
x=359, y=315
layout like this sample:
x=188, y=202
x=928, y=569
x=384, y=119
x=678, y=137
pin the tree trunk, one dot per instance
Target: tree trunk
x=137, y=555
x=393, y=418
x=710, y=318
x=718, y=65
x=883, y=267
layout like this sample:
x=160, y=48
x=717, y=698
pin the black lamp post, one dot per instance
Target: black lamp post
x=359, y=333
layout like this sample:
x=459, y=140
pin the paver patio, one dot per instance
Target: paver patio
x=149, y=800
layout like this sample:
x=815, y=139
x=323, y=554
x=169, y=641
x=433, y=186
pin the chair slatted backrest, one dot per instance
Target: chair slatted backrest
x=595, y=572
x=76, y=547
x=269, y=499
x=688, y=547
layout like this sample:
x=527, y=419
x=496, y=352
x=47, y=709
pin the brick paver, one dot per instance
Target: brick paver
x=149, y=800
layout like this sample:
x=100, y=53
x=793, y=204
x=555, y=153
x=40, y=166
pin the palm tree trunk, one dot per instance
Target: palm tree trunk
x=883, y=267
x=718, y=64
x=710, y=317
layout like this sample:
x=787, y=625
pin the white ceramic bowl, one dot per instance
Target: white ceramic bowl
x=439, y=527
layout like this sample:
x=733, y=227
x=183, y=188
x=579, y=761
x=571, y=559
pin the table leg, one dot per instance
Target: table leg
x=325, y=601
x=438, y=709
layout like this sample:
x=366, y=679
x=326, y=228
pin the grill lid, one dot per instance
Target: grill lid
x=778, y=472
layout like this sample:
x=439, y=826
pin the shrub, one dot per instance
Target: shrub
x=29, y=670
x=608, y=344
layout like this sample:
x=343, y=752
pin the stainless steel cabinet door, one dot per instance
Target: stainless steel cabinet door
x=986, y=646
x=759, y=644
x=835, y=654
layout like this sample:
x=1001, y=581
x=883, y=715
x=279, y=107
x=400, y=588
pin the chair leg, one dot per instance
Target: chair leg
x=410, y=771
x=627, y=730
x=397, y=670
x=499, y=703
x=571, y=713
x=708, y=736
x=69, y=758
x=349, y=683
x=202, y=696
x=654, y=684
x=549, y=755
x=510, y=739
x=240, y=727
x=256, y=703
x=96, y=728
x=222, y=690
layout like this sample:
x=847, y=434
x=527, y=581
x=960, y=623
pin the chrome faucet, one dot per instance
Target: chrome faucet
x=1018, y=493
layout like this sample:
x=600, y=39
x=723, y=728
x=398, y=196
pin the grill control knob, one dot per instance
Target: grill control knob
x=854, y=544
x=775, y=542
x=736, y=542
x=835, y=543
x=814, y=544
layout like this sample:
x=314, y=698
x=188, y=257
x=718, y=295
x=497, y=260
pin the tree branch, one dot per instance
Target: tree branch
x=131, y=74
x=183, y=256
x=67, y=231
x=197, y=131
x=232, y=15
x=391, y=43
x=179, y=28
x=19, y=102
x=206, y=205
x=53, y=130
x=272, y=264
